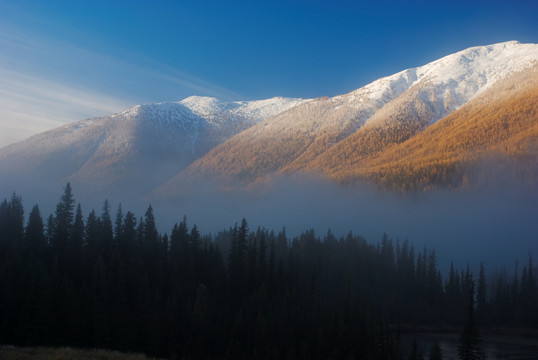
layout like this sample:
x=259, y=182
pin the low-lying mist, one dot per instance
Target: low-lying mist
x=466, y=226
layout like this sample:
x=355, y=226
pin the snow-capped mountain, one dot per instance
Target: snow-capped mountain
x=251, y=112
x=379, y=115
x=451, y=81
x=492, y=140
x=129, y=153
x=162, y=148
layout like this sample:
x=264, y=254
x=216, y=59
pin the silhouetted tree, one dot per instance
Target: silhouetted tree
x=481, y=296
x=34, y=235
x=11, y=224
x=63, y=222
x=469, y=347
x=124, y=285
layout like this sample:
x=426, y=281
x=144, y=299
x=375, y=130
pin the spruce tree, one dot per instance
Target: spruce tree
x=11, y=224
x=34, y=235
x=481, y=295
x=469, y=347
x=64, y=216
x=77, y=233
x=106, y=231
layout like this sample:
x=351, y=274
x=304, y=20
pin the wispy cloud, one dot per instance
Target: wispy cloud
x=46, y=82
x=29, y=105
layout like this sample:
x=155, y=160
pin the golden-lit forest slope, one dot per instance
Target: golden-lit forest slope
x=494, y=137
x=401, y=145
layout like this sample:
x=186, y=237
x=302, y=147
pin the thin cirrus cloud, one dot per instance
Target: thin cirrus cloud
x=45, y=83
x=29, y=105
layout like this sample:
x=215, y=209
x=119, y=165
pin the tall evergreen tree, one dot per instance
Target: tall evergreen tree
x=106, y=231
x=127, y=240
x=77, y=233
x=62, y=228
x=64, y=215
x=151, y=235
x=237, y=261
x=481, y=295
x=469, y=347
x=92, y=237
x=34, y=235
x=118, y=224
x=4, y=221
x=11, y=224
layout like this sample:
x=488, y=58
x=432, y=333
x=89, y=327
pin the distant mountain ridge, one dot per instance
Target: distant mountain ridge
x=377, y=117
x=129, y=153
x=376, y=133
x=492, y=138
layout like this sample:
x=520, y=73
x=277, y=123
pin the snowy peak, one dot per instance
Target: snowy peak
x=197, y=112
x=208, y=107
x=256, y=111
x=209, y=110
x=113, y=155
x=356, y=127
x=253, y=140
x=168, y=111
x=477, y=68
x=448, y=83
x=264, y=109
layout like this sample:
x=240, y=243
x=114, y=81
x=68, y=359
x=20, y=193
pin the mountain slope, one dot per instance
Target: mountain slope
x=129, y=153
x=385, y=132
x=379, y=115
x=493, y=136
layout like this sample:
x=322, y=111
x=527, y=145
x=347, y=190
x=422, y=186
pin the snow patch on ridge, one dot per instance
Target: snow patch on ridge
x=454, y=79
x=253, y=111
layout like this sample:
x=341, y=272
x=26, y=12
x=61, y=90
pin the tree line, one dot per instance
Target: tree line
x=113, y=281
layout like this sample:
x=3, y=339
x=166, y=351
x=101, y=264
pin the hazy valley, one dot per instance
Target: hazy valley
x=394, y=197
x=450, y=142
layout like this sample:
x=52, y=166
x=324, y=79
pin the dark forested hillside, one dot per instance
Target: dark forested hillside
x=111, y=280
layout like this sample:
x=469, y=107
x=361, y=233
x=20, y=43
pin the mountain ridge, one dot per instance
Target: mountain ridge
x=129, y=153
x=158, y=148
x=501, y=123
x=386, y=112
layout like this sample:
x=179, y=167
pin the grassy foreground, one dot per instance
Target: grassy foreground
x=45, y=353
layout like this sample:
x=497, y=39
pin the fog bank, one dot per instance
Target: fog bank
x=463, y=226
x=493, y=226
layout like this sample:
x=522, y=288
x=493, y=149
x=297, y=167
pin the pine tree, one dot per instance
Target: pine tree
x=77, y=233
x=481, y=294
x=64, y=217
x=34, y=235
x=127, y=241
x=151, y=235
x=118, y=225
x=237, y=262
x=92, y=240
x=106, y=233
x=11, y=224
x=469, y=347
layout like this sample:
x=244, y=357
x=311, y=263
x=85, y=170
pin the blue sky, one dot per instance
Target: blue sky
x=63, y=61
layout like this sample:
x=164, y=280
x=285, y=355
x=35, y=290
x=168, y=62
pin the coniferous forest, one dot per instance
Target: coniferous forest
x=110, y=280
